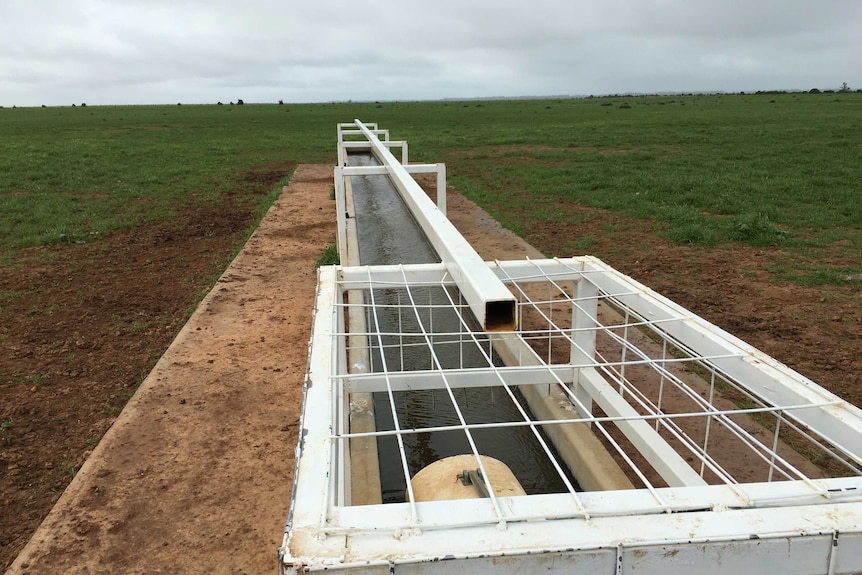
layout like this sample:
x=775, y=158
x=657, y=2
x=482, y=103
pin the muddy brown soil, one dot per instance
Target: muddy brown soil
x=195, y=474
x=81, y=325
x=198, y=478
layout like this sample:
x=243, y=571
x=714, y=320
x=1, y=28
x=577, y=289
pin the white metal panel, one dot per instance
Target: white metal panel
x=639, y=540
x=441, y=188
x=583, y=349
x=552, y=563
x=316, y=431
x=340, y=212
x=808, y=555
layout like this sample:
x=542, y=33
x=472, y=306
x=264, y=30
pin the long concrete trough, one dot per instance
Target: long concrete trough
x=674, y=447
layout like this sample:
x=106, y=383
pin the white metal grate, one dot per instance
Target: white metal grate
x=697, y=421
x=675, y=412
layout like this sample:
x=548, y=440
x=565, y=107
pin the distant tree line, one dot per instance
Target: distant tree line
x=844, y=89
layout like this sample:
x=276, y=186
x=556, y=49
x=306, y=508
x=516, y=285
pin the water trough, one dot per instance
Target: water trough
x=674, y=446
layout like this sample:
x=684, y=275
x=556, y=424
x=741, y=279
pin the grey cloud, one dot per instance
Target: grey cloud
x=161, y=51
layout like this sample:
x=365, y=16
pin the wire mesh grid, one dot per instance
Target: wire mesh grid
x=666, y=414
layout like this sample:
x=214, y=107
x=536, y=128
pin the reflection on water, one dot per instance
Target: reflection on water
x=388, y=234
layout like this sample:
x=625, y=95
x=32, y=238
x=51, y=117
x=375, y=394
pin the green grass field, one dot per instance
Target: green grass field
x=746, y=209
x=763, y=170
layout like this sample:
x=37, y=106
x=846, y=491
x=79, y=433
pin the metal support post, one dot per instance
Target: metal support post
x=441, y=188
x=340, y=212
x=583, y=347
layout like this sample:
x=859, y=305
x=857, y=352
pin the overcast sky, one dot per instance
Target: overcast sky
x=198, y=51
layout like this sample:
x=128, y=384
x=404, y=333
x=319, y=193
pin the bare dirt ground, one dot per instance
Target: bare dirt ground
x=197, y=473
x=103, y=313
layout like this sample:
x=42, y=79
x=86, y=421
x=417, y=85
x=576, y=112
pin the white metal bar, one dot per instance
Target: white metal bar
x=584, y=323
x=399, y=437
x=607, y=504
x=491, y=302
x=381, y=170
x=441, y=187
x=664, y=459
x=661, y=381
x=359, y=132
x=710, y=400
x=312, y=472
x=358, y=145
x=434, y=273
x=461, y=379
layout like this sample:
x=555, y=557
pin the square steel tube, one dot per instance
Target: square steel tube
x=489, y=299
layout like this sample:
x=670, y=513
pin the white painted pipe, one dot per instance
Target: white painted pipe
x=489, y=299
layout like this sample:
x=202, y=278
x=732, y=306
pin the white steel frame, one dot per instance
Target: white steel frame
x=625, y=351
x=342, y=174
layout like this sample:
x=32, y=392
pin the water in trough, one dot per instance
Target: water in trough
x=388, y=234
